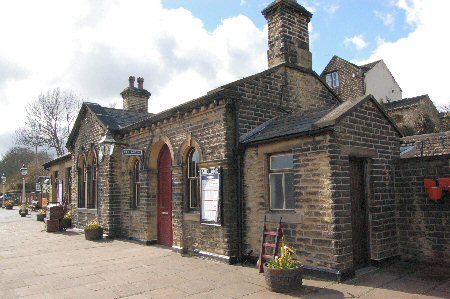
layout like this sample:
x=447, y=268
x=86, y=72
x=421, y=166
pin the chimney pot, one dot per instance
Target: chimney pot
x=131, y=80
x=140, y=81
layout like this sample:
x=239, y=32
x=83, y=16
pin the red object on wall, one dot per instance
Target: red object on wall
x=444, y=183
x=427, y=183
x=165, y=232
x=435, y=193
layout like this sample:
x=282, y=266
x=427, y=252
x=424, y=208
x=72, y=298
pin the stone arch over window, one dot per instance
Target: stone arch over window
x=190, y=155
x=135, y=179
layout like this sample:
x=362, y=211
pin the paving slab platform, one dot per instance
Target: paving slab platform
x=37, y=264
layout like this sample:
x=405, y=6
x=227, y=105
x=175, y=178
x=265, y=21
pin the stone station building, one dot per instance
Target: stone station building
x=279, y=143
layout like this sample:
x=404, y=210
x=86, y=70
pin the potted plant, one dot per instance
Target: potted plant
x=41, y=215
x=93, y=231
x=67, y=220
x=284, y=273
x=23, y=210
x=9, y=204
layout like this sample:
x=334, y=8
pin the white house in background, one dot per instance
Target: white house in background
x=349, y=80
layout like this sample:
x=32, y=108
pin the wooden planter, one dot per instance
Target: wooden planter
x=283, y=280
x=40, y=217
x=9, y=207
x=93, y=234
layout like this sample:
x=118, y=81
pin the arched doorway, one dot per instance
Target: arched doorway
x=165, y=235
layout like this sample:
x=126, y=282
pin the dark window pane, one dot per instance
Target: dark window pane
x=194, y=193
x=289, y=190
x=281, y=162
x=276, y=191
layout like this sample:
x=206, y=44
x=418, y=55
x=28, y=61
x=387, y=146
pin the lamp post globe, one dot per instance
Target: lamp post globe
x=3, y=184
x=23, y=210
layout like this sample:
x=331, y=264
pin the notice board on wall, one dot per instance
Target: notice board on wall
x=211, y=190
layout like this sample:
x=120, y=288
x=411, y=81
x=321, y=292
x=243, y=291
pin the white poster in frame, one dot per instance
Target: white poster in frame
x=211, y=187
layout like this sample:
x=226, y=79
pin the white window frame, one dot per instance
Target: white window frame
x=283, y=172
x=332, y=79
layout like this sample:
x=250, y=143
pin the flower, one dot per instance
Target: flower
x=93, y=225
x=286, y=259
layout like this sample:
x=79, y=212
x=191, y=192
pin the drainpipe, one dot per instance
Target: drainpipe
x=238, y=157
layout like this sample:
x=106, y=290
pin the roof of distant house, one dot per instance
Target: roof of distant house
x=406, y=102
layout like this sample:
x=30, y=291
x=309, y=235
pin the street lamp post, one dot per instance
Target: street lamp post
x=3, y=183
x=24, y=172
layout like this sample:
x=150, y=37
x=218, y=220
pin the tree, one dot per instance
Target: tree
x=12, y=161
x=445, y=118
x=49, y=120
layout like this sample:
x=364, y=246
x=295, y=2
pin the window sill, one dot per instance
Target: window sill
x=191, y=216
x=288, y=216
x=87, y=211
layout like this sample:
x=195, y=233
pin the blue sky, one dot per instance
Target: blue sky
x=185, y=48
x=333, y=22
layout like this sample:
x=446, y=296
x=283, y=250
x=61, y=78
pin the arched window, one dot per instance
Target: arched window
x=92, y=183
x=82, y=183
x=193, y=179
x=135, y=184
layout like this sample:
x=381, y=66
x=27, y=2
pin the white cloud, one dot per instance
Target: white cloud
x=388, y=19
x=92, y=47
x=419, y=62
x=331, y=8
x=357, y=41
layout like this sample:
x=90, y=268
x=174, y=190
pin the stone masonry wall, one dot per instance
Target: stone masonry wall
x=278, y=91
x=90, y=133
x=365, y=133
x=308, y=227
x=423, y=225
x=212, y=128
x=351, y=82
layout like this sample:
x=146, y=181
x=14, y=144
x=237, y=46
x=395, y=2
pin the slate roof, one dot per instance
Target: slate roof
x=64, y=157
x=116, y=119
x=426, y=145
x=109, y=118
x=406, y=102
x=306, y=123
x=286, y=125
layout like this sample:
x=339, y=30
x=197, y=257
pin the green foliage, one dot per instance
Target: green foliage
x=12, y=161
x=286, y=259
x=93, y=225
x=68, y=215
x=42, y=211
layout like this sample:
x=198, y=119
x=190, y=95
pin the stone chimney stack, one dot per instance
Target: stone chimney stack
x=288, y=33
x=135, y=99
x=140, y=83
x=131, y=80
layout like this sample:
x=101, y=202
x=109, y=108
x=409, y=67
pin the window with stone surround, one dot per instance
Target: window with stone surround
x=135, y=184
x=281, y=182
x=332, y=79
x=92, y=183
x=193, y=179
x=82, y=170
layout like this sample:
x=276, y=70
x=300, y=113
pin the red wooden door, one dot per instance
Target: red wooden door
x=360, y=234
x=165, y=197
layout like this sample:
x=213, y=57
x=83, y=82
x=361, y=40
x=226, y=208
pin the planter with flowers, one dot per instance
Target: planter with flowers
x=93, y=231
x=284, y=273
x=9, y=204
x=66, y=222
x=40, y=215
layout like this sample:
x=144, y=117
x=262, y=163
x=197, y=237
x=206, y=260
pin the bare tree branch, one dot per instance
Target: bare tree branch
x=49, y=120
